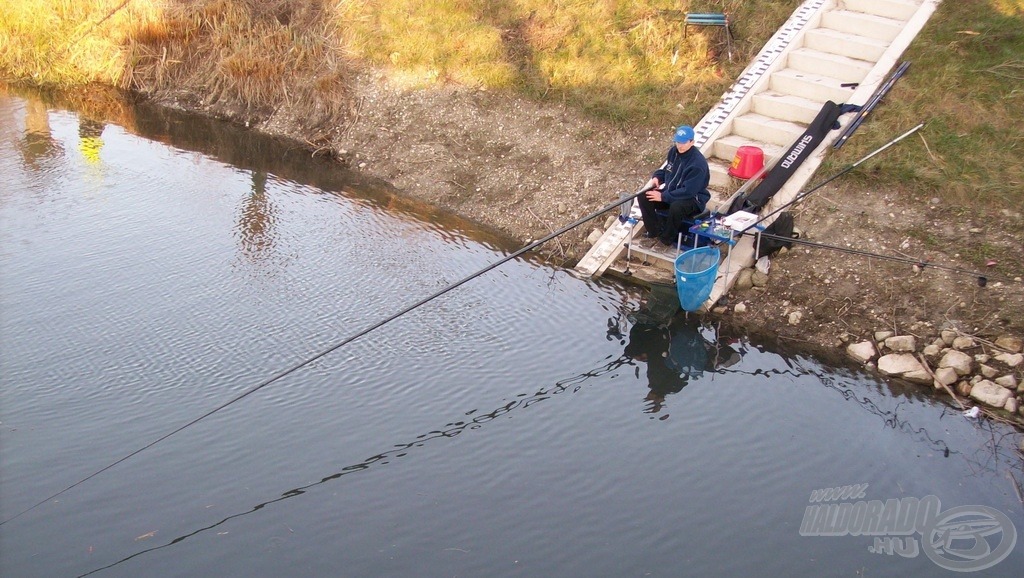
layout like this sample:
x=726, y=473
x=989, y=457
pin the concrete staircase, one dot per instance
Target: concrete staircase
x=836, y=53
x=825, y=45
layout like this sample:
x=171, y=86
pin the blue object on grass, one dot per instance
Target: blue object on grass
x=696, y=271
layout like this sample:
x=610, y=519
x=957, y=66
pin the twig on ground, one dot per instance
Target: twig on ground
x=456, y=183
x=1013, y=69
x=927, y=148
x=983, y=341
x=996, y=417
x=355, y=117
x=924, y=363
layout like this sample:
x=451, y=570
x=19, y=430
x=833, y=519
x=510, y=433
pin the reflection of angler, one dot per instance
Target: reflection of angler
x=675, y=354
x=688, y=352
x=649, y=343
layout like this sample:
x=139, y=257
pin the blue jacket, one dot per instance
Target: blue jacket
x=684, y=176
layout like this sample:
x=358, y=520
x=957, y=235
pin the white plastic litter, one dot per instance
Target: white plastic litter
x=763, y=264
x=973, y=412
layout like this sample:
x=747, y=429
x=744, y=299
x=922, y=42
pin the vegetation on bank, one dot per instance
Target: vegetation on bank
x=627, y=62
x=966, y=82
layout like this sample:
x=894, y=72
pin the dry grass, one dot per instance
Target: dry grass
x=628, y=62
x=67, y=42
x=248, y=56
x=252, y=57
x=625, y=61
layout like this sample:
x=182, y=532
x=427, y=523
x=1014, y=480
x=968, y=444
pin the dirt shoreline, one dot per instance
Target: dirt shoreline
x=527, y=169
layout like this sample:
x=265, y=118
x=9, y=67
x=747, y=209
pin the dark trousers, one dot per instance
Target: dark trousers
x=667, y=228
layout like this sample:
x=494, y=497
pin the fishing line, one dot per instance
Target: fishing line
x=341, y=344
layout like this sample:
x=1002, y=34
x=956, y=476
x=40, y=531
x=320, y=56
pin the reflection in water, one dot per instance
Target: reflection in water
x=890, y=418
x=90, y=139
x=474, y=421
x=673, y=347
x=256, y=220
x=38, y=144
x=258, y=152
x=676, y=346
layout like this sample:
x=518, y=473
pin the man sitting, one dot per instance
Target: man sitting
x=680, y=186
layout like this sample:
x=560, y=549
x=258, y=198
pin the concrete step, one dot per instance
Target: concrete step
x=725, y=147
x=844, y=44
x=809, y=86
x=840, y=67
x=720, y=178
x=766, y=129
x=897, y=9
x=861, y=24
x=786, y=106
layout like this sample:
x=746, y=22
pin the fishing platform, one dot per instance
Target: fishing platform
x=829, y=50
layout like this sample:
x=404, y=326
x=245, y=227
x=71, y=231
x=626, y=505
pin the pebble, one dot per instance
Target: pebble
x=1010, y=343
x=962, y=343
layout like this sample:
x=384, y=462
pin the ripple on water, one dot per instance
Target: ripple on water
x=499, y=423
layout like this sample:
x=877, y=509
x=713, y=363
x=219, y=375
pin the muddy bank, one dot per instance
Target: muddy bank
x=527, y=169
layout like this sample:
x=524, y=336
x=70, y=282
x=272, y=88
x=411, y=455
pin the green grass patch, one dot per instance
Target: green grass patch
x=966, y=82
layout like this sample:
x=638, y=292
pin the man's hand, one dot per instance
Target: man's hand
x=654, y=195
x=653, y=183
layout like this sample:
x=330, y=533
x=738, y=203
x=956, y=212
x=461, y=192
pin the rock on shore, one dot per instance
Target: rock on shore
x=984, y=372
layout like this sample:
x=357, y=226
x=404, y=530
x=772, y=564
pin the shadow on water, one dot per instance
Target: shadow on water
x=676, y=349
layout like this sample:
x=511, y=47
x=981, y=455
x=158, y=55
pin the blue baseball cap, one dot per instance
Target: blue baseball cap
x=683, y=134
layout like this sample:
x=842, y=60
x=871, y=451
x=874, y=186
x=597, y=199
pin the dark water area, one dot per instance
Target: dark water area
x=154, y=267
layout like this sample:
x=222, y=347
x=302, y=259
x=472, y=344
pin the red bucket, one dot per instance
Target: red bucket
x=747, y=162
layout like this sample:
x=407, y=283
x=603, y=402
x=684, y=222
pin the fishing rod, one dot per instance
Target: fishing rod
x=804, y=194
x=982, y=279
x=870, y=105
x=341, y=344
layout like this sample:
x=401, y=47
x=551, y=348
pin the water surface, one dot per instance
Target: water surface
x=528, y=423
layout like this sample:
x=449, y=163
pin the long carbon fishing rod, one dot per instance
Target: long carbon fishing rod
x=804, y=194
x=982, y=279
x=341, y=344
